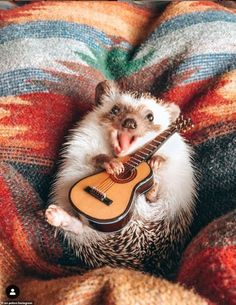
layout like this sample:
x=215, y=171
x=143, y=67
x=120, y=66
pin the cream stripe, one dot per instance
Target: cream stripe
x=41, y=53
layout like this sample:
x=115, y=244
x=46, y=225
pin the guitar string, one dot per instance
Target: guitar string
x=108, y=182
x=105, y=185
x=112, y=182
x=102, y=183
x=108, y=187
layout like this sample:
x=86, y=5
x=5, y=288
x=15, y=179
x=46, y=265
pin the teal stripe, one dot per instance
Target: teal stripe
x=187, y=20
x=207, y=65
x=47, y=29
x=21, y=81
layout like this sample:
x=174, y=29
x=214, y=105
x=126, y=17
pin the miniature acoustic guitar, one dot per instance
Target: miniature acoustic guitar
x=105, y=202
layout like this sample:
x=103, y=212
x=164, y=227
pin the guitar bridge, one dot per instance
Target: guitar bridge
x=98, y=195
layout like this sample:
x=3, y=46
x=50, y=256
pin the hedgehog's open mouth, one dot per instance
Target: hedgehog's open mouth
x=123, y=141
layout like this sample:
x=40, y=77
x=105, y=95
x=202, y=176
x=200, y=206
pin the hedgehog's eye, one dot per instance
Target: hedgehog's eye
x=115, y=110
x=149, y=117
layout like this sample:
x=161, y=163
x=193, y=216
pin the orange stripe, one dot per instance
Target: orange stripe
x=13, y=100
x=228, y=91
x=36, y=145
x=114, y=18
x=11, y=131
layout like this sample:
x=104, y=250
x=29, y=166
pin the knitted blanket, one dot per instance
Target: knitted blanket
x=52, y=57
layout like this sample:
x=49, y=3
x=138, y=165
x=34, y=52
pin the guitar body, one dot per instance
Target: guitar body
x=104, y=201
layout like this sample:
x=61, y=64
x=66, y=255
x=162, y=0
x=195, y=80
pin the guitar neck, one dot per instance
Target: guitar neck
x=147, y=151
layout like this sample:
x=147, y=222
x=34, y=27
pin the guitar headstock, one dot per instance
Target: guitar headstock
x=183, y=124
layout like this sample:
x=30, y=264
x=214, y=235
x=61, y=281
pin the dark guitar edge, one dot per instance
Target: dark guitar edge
x=117, y=223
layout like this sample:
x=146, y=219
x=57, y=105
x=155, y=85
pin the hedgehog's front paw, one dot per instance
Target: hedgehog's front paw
x=111, y=165
x=114, y=166
x=156, y=162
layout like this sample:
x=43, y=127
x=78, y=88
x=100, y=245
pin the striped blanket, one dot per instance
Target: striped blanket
x=53, y=54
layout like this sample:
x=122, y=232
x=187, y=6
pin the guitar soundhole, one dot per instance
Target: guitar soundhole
x=127, y=175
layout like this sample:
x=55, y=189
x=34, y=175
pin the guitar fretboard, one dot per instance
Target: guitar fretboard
x=146, y=152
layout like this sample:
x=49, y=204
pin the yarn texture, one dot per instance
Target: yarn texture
x=53, y=54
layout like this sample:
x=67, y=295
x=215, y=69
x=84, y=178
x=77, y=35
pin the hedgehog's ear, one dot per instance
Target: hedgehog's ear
x=174, y=111
x=104, y=90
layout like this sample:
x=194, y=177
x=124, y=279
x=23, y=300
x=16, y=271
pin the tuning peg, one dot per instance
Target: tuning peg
x=183, y=124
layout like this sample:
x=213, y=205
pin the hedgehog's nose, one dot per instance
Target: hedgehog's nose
x=129, y=123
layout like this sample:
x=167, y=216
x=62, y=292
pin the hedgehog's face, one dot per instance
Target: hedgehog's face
x=128, y=121
x=131, y=119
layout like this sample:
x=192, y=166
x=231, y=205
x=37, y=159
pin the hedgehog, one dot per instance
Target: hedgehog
x=120, y=123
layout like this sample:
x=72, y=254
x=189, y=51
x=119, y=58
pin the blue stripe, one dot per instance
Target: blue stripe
x=21, y=81
x=58, y=29
x=186, y=20
x=207, y=65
